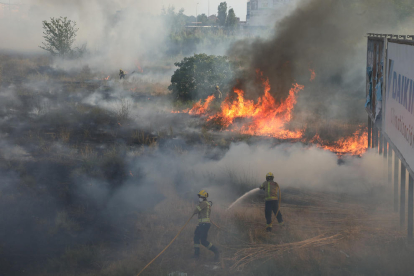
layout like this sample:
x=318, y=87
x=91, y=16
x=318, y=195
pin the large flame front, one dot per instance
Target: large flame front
x=268, y=118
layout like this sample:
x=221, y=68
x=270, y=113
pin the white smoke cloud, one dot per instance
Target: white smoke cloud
x=294, y=166
x=117, y=33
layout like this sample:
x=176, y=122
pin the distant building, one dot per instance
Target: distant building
x=260, y=11
x=212, y=18
x=248, y=10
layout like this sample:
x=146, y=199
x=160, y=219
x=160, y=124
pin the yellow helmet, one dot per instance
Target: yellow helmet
x=269, y=176
x=203, y=193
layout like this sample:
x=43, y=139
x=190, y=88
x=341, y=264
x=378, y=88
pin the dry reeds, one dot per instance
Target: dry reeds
x=257, y=252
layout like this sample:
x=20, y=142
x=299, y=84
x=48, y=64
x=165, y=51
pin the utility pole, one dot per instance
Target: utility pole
x=208, y=8
x=196, y=13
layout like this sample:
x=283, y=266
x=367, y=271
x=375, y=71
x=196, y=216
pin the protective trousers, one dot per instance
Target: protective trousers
x=200, y=236
x=272, y=206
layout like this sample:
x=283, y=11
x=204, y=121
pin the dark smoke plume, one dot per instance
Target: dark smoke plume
x=323, y=35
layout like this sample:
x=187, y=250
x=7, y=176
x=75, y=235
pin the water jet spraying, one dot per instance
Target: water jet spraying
x=243, y=196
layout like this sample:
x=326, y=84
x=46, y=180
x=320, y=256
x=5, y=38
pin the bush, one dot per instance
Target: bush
x=197, y=77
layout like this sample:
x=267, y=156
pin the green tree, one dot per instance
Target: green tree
x=175, y=21
x=197, y=77
x=222, y=13
x=59, y=35
x=231, y=21
x=203, y=19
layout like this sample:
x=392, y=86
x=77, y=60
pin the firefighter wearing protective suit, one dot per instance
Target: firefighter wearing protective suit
x=272, y=200
x=218, y=93
x=200, y=234
x=121, y=74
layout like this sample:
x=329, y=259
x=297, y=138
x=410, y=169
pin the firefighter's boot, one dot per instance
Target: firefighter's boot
x=268, y=227
x=215, y=250
x=196, y=253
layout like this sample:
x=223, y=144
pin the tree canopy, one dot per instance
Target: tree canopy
x=59, y=35
x=231, y=21
x=222, y=13
x=203, y=19
x=198, y=75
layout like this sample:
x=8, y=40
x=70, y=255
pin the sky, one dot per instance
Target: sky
x=155, y=6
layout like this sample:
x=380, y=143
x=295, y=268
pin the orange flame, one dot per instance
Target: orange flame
x=107, y=78
x=313, y=74
x=138, y=67
x=267, y=118
x=199, y=108
x=357, y=144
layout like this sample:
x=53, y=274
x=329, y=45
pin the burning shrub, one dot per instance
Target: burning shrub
x=197, y=77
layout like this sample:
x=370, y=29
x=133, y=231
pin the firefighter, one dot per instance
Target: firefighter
x=218, y=93
x=272, y=198
x=121, y=74
x=200, y=234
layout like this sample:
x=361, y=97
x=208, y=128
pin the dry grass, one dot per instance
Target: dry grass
x=147, y=87
x=140, y=137
x=245, y=256
x=325, y=229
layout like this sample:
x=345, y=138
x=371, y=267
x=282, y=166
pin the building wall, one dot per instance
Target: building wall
x=259, y=11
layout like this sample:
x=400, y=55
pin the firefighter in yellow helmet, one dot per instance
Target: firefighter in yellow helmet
x=200, y=234
x=121, y=74
x=272, y=199
x=218, y=93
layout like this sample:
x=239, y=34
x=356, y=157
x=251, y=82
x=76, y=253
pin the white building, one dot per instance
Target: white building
x=263, y=12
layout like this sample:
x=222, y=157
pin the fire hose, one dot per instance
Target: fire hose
x=176, y=236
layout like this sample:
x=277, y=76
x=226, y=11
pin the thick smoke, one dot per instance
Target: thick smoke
x=328, y=37
x=81, y=192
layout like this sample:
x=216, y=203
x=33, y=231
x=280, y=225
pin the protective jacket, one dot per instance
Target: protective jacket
x=218, y=93
x=203, y=210
x=271, y=189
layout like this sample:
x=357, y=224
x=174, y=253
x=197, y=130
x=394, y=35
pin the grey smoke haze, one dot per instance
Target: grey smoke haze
x=117, y=33
x=43, y=181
